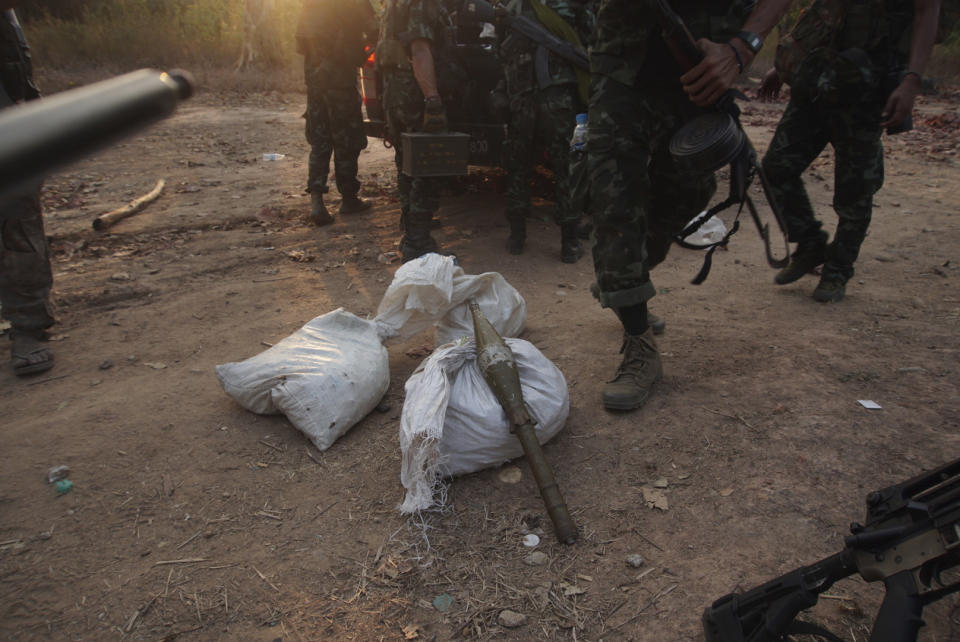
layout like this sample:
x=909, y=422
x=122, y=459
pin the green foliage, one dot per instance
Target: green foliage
x=124, y=34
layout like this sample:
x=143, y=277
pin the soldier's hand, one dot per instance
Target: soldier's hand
x=900, y=103
x=770, y=86
x=706, y=83
x=434, y=115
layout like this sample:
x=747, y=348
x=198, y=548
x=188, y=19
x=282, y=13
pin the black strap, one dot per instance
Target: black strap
x=710, y=247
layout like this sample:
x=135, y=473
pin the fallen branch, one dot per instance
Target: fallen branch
x=104, y=221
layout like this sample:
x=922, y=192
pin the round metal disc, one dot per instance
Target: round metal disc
x=707, y=142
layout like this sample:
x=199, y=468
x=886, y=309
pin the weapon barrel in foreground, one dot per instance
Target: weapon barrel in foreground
x=499, y=369
x=39, y=136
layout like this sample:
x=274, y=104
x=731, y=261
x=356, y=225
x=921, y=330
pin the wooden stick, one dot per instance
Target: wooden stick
x=191, y=560
x=104, y=221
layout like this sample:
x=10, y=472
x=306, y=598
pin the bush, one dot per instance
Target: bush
x=120, y=35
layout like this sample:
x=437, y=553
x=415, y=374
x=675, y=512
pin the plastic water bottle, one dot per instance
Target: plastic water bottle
x=578, y=142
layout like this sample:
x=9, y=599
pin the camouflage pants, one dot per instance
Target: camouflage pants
x=638, y=198
x=334, y=129
x=544, y=117
x=403, y=104
x=25, y=274
x=804, y=131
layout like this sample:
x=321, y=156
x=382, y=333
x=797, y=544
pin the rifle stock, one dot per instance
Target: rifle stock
x=911, y=535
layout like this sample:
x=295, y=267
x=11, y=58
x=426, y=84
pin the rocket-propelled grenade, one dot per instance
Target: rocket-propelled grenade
x=499, y=369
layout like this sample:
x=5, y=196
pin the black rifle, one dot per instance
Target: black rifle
x=911, y=535
x=482, y=11
x=708, y=143
x=39, y=136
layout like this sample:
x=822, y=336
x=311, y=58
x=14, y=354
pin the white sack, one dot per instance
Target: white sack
x=452, y=424
x=325, y=377
x=431, y=290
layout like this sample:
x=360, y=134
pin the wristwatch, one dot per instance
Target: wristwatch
x=752, y=40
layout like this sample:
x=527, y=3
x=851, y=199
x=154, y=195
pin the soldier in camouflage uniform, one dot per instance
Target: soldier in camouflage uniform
x=841, y=95
x=331, y=36
x=638, y=98
x=25, y=274
x=543, y=110
x=412, y=40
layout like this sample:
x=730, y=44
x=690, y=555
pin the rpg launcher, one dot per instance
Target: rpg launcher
x=499, y=369
x=712, y=141
x=39, y=136
x=911, y=535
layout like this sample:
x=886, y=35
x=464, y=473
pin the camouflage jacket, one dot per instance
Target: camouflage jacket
x=16, y=71
x=407, y=20
x=628, y=47
x=518, y=53
x=880, y=28
x=332, y=34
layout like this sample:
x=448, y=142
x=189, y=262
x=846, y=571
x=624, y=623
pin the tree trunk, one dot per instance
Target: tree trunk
x=258, y=31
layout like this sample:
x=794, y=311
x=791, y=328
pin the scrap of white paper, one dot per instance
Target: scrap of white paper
x=867, y=403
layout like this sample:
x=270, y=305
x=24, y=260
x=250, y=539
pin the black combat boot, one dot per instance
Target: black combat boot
x=319, y=215
x=518, y=233
x=640, y=369
x=808, y=255
x=416, y=239
x=352, y=204
x=831, y=289
x=570, y=248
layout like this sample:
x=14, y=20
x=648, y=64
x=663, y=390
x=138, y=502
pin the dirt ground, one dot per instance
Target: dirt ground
x=193, y=519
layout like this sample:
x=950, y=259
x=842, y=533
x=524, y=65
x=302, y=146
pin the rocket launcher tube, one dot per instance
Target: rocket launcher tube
x=39, y=136
x=499, y=369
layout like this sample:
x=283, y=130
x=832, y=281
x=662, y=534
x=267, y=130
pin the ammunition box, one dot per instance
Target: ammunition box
x=444, y=154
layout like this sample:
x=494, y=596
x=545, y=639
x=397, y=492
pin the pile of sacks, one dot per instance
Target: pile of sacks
x=333, y=371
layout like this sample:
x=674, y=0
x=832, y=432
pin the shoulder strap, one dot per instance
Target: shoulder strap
x=559, y=27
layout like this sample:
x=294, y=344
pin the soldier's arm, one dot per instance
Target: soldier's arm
x=706, y=83
x=900, y=103
x=421, y=58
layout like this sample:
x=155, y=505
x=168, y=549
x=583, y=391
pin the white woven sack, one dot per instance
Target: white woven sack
x=325, y=377
x=432, y=290
x=452, y=424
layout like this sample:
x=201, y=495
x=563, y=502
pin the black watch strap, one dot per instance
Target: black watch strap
x=753, y=41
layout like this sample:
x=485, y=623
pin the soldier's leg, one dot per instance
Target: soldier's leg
x=349, y=139
x=321, y=145
x=519, y=163
x=418, y=196
x=678, y=196
x=25, y=281
x=618, y=158
x=858, y=175
x=800, y=137
x=558, y=112
x=418, y=220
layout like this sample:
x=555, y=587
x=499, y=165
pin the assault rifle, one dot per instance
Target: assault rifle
x=546, y=41
x=39, y=136
x=714, y=140
x=911, y=535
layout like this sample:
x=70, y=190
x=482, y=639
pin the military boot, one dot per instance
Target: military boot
x=319, y=215
x=640, y=369
x=518, y=234
x=808, y=255
x=352, y=204
x=570, y=248
x=831, y=289
x=416, y=239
